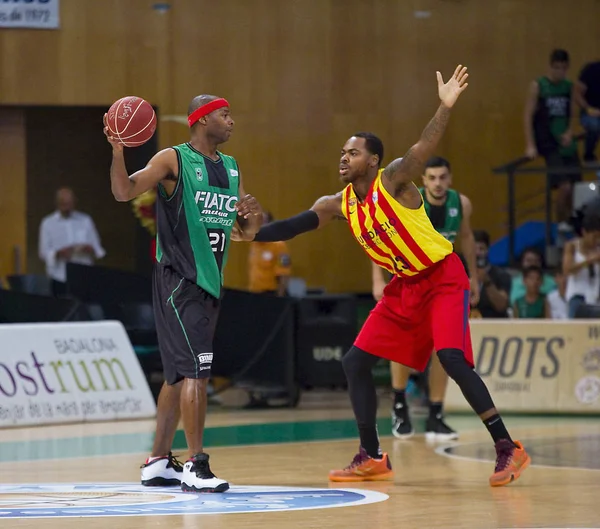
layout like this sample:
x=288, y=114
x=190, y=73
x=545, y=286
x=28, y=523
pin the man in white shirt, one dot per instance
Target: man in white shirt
x=67, y=236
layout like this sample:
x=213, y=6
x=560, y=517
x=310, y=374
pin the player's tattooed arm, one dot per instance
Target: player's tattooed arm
x=402, y=171
x=398, y=174
x=329, y=208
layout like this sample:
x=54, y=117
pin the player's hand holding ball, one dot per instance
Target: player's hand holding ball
x=455, y=86
x=116, y=144
x=129, y=122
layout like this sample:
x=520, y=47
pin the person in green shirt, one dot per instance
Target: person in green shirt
x=533, y=304
x=548, y=110
x=530, y=257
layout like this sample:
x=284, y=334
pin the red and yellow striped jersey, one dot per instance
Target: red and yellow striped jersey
x=399, y=239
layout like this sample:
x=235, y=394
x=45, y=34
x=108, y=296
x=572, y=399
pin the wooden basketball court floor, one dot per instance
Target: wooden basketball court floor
x=436, y=486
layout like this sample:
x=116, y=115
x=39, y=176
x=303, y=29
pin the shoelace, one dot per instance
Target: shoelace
x=178, y=465
x=359, y=458
x=504, y=455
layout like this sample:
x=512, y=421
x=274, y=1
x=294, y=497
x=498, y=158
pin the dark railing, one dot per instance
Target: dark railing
x=513, y=168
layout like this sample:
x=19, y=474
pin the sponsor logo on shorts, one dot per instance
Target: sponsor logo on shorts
x=88, y=500
x=205, y=358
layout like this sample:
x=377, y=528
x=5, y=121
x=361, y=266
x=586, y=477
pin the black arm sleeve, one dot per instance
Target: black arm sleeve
x=283, y=230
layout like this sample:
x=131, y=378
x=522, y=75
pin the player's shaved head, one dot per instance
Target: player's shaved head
x=200, y=101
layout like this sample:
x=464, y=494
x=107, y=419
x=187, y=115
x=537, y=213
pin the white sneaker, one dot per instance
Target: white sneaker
x=162, y=472
x=197, y=476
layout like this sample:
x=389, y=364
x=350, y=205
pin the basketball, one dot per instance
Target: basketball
x=131, y=120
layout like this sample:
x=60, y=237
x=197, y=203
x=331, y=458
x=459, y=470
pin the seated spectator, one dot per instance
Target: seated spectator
x=533, y=304
x=530, y=257
x=269, y=265
x=557, y=298
x=581, y=265
x=494, y=283
x=66, y=236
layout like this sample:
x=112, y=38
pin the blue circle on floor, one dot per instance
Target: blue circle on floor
x=63, y=500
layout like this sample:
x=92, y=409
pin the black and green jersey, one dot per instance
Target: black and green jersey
x=446, y=218
x=194, y=224
x=552, y=116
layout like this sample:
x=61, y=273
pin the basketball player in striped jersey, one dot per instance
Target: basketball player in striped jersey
x=450, y=214
x=425, y=306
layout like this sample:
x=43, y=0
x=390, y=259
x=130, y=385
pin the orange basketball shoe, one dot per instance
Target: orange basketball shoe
x=511, y=460
x=364, y=468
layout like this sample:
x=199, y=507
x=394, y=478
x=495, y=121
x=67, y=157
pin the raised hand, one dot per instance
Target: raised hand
x=455, y=86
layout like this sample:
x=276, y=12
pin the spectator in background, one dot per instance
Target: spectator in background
x=530, y=257
x=548, y=130
x=533, y=303
x=67, y=236
x=588, y=92
x=494, y=283
x=269, y=265
x=557, y=299
x=581, y=265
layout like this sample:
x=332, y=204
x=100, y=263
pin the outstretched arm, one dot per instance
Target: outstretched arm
x=404, y=170
x=324, y=210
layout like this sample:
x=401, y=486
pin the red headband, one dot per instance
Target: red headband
x=204, y=110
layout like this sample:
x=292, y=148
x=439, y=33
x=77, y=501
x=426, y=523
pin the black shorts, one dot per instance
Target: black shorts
x=555, y=159
x=186, y=318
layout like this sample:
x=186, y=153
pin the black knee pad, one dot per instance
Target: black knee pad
x=469, y=382
x=357, y=361
x=453, y=361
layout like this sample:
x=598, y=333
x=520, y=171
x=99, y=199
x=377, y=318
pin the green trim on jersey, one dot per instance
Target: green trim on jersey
x=454, y=214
